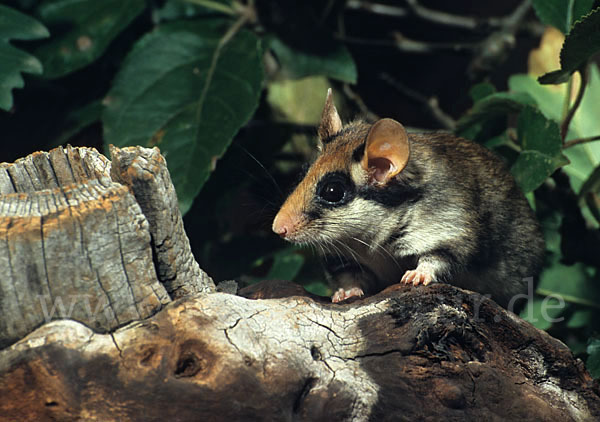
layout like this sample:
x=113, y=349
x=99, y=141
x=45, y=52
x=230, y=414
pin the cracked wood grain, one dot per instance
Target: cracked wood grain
x=74, y=243
x=57, y=255
x=427, y=353
x=145, y=172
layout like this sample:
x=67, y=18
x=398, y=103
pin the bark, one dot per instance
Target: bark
x=145, y=172
x=430, y=353
x=73, y=223
x=76, y=244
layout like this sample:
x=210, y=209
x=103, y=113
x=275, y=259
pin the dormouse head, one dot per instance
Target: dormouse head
x=343, y=190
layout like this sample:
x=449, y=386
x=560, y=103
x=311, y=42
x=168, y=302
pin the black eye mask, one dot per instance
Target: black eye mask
x=335, y=189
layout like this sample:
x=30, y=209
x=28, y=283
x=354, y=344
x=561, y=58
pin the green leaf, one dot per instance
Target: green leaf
x=580, y=45
x=581, y=318
x=543, y=312
x=574, y=283
x=287, y=263
x=561, y=14
x=334, y=62
x=592, y=184
x=541, y=143
x=589, y=194
x=555, y=77
x=318, y=288
x=593, y=360
x=81, y=31
x=481, y=90
x=541, y=149
x=494, y=105
x=299, y=101
x=537, y=133
x=498, y=141
x=184, y=91
x=548, y=101
x=222, y=6
x=180, y=9
x=533, y=167
x=551, y=224
x=15, y=25
x=584, y=158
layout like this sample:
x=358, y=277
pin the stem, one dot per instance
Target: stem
x=574, y=142
x=214, y=5
x=438, y=17
x=567, y=101
x=377, y=8
x=564, y=129
x=233, y=29
x=568, y=298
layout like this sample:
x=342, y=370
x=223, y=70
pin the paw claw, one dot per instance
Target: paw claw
x=409, y=277
x=341, y=294
x=417, y=276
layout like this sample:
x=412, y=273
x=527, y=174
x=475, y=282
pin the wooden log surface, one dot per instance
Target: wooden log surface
x=425, y=353
x=76, y=244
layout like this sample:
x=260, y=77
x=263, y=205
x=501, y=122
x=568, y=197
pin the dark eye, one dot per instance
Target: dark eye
x=333, y=191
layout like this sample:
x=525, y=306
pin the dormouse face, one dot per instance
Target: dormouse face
x=334, y=200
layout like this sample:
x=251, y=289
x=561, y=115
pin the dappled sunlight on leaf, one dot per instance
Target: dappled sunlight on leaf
x=546, y=58
x=298, y=101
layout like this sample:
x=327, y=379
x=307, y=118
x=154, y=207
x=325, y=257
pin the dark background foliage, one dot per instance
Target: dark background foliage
x=231, y=92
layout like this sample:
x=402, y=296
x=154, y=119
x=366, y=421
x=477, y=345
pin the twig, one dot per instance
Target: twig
x=494, y=48
x=567, y=100
x=377, y=8
x=512, y=21
x=408, y=45
x=431, y=104
x=579, y=141
x=412, y=46
x=564, y=128
x=441, y=18
x=489, y=51
x=214, y=5
x=592, y=201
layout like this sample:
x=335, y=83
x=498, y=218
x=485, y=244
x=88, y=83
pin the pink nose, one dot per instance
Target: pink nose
x=281, y=230
x=284, y=225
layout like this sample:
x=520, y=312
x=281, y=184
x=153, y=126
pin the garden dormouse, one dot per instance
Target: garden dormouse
x=383, y=206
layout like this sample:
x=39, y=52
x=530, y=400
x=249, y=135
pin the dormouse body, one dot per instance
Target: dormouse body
x=384, y=206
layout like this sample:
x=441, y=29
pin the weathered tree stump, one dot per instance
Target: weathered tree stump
x=77, y=244
x=272, y=352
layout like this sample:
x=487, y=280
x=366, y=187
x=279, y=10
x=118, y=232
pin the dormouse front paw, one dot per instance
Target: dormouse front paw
x=342, y=294
x=423, y=274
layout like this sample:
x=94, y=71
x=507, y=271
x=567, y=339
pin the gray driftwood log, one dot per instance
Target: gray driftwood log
x=74, y=223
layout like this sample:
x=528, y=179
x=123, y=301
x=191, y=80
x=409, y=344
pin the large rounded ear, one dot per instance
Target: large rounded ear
x=330, y=121
x=386, y=151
